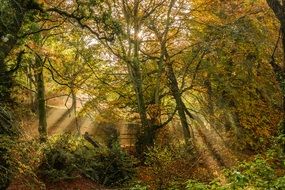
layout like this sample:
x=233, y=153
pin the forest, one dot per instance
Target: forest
x=142, y=94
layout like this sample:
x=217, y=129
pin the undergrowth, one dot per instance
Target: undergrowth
x=66, y=157
x=264, y=172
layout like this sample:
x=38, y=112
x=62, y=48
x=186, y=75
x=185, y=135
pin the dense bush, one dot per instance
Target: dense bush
x=5, y=171
x=8, y=136
x=159, y=158
x=169, y=166
x=23, y=158
x=196, y=185
x=109, y=166
x=257, y=173
x=67, y=156
x=59, y=162
x=264, y=172
x=260, y=173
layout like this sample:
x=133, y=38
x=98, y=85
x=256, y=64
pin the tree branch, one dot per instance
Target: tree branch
x=277, y=9
x=19, y=60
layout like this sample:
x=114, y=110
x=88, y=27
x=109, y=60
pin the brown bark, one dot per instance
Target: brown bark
x=41, y=100
x=73, y=108
x=172, y=80
x=173, y=85
x=209, y=95
x=279, y=10
x=9, y=29
x=91, y=140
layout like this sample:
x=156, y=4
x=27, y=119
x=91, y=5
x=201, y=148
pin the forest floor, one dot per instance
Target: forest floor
x=214, y=154
x=68, y=184
x=214, y=150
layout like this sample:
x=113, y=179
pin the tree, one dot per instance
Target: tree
x=13, y=16
x=278, y=7
x=235, y=73
x=169, y=33
x=127, y=49
x=135, y=49
x=40, y=86
x=69, y=67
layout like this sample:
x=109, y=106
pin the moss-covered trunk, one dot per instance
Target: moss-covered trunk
x=74, y=108
x=41, y=100
x=173, y=85
x=278, y=9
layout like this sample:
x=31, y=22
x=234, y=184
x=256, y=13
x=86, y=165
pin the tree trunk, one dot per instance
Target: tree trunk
x=9, y=29
x=173, y=84
x=12, y=18
x=279, y=11
x=143, y=139
x=41, y=100
x=209, y=95
x=5, y=83
x=281, y=83
x=30, y=83
x=73, y=108
x=140, y=98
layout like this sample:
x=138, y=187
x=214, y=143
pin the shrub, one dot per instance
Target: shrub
x=139, y=187
x=8, y=136
x=257, y=173
x=108, y=166
x=169, y=166
x=59, y=162
x=23, y=159
x=279, y=183
x=195, y=185
x=5, y=163
x=68, y=156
